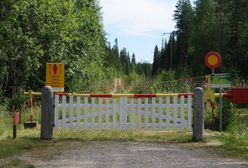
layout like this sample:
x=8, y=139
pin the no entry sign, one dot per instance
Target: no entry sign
x=55, y=76
x=212, y=59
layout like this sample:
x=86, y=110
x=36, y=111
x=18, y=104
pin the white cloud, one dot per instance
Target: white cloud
x=139, y=17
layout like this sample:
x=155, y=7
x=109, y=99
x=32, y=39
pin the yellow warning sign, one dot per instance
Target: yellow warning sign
x=55, y=76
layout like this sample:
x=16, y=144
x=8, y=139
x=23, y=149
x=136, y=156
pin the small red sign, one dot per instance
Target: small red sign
x=16, y=118
x=212, y=59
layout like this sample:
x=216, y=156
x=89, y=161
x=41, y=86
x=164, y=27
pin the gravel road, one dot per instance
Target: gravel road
x=111, y=154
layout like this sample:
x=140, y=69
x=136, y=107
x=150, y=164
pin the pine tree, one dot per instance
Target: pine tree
x=156, y=61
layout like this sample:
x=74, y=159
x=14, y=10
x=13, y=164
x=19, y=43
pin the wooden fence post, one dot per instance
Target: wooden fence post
x=198, y=116
x=47, y=113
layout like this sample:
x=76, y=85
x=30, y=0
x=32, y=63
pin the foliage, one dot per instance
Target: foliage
x=36, y=32
x=16, y=103
x=166, y=83
x=212, y=25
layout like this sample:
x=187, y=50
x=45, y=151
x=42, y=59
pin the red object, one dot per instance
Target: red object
x=30, y=103
x=212, y=59
x=237, y=95
x=101, y=95
x=185, y=94
x=55, y=68
x=61, y=94
x=16, y=118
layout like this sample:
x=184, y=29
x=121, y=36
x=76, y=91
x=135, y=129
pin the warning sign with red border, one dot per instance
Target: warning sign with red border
x=212, y=59
x=55, y=76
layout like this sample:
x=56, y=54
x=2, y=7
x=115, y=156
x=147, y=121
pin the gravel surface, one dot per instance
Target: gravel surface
x=111, y=154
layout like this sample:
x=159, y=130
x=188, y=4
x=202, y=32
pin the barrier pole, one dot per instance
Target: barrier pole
x=31, y=113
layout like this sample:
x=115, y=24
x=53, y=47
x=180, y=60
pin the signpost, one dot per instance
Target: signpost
x=213, y=60
x=55, y=76
x=221, y=80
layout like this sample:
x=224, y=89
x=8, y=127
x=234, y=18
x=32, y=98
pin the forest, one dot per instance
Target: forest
x=35, y=32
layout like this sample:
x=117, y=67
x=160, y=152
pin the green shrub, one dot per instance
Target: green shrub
x=16, y=103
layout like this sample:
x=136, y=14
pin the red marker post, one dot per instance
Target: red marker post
x=16, y=119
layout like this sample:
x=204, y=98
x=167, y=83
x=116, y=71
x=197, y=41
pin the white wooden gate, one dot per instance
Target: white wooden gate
x=127, y=111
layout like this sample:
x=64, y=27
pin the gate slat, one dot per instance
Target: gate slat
x=182, y=123
x=175, y=117
x=160, y=113
x=71, y=111
x=107, y=113
x=146, y=112
x=168, y=109
x=189, y=112
x=78, y=112
x=93, y=109
x=100, y=114
x=132, y=113
x=139, y=113
x=115, y=108
x=64, y=111
x=153, y=112
x=56, y=111
x=124, y=112
x=86, y=110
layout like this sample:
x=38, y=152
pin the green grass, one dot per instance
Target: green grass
x=28, y=139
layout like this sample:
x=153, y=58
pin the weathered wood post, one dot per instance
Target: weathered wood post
x=47, y=113
x=198, y=116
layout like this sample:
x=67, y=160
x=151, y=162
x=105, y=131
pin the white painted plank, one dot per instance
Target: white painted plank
x=71, y=111
x=160, y=113
x=121, y=113
x=124, y=104
x=63, y=111
x=175, y=106
x=153, y=112
x=100, y=114
x=139, y=113
x=86, y=110
x=182, y=124
x=107, y=113
x=93, y=112
x=146, y=112
x=132, y=113
x=115, y=108
x=56, y=111
x=168, y=117
x=189, y=112
x=78, y=112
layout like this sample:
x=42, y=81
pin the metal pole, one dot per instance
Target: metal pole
x=220, y=108
x=171, y=51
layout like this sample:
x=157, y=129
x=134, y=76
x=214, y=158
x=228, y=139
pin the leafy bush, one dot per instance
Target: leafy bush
x=16, y=103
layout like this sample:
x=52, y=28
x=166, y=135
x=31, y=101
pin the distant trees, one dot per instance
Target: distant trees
x=219, y=25
x=121, y=62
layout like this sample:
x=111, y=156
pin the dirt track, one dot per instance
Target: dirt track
x=112, y=154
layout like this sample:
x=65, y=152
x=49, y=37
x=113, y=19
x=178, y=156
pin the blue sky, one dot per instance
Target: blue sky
x=138, y=24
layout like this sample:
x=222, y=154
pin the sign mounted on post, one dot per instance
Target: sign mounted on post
x=212, y=59
x=55, y=76
x=221, y=80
